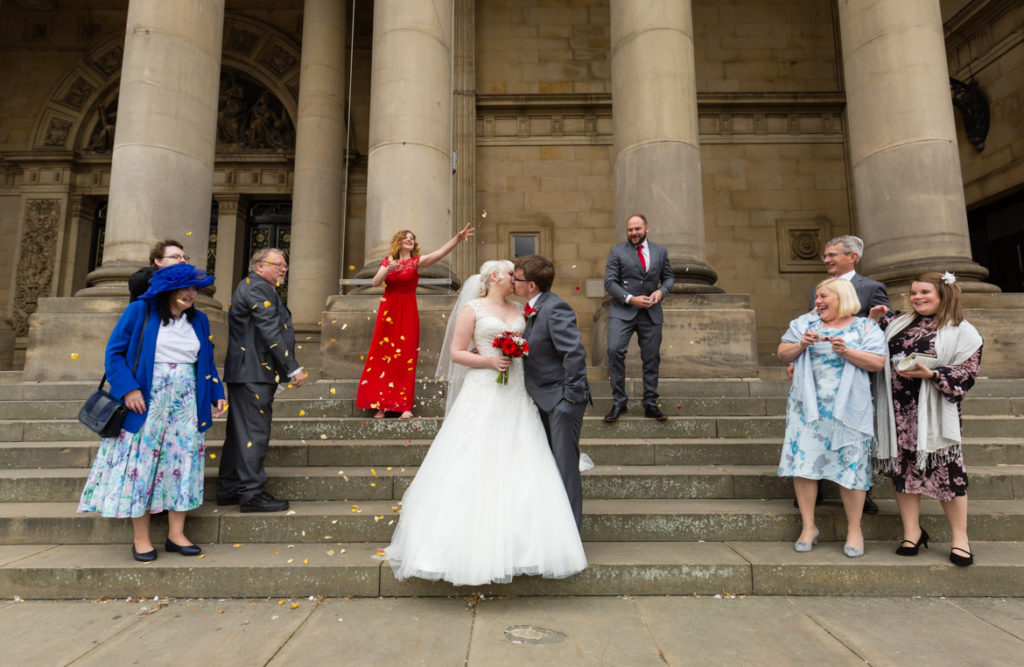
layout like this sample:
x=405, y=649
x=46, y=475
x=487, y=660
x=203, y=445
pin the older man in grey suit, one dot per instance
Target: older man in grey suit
x=555, y=370
x=638, y=277
x=261, y=353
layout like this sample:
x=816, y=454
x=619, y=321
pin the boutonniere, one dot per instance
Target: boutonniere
x=529, y=313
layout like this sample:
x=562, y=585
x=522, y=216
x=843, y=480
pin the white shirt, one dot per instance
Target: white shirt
x=177, y=343
x=848, y=276
x=531, y=303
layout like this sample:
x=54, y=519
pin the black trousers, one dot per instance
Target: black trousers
x=248, y=439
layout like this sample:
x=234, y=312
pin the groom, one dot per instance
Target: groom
x=555, y=370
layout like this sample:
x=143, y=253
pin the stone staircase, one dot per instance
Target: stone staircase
x=691, y=505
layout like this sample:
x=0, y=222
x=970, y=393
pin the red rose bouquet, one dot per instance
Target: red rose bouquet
x=513, y=345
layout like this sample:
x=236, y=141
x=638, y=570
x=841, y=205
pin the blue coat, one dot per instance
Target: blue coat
x=120, y=357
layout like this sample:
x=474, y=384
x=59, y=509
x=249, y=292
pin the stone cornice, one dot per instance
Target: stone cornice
x=980, y=33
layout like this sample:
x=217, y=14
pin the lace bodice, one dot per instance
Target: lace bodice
x=489, y=326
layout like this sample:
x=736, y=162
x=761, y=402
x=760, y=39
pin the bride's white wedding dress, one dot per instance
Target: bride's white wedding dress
x=487, y=503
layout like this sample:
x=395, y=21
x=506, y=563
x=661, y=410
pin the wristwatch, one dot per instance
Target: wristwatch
x=935, y=376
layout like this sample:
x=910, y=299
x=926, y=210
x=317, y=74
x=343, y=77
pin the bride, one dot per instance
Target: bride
x=488, y=502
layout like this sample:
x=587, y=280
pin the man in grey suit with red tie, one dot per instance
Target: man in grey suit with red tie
x=638, y=277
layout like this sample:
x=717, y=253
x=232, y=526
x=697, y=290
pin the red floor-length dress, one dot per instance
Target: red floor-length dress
x=389, y=376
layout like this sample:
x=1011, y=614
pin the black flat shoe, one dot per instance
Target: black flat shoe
x=617, y=411
x=912, y=550
x=655, y=413
x=147, y=557
x=186, y=550
x=958, y=560
x=263, y=502
x=869, y=505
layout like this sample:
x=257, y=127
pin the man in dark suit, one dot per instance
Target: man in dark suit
x=555, y=370
x=261, y=353
x=164, y=253
x=841, y=256
x=638, y=277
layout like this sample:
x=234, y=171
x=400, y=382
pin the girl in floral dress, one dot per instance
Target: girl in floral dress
x=389, y=376
x=918, y=416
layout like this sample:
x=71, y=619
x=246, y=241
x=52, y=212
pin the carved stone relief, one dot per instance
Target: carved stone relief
x=279, y=59
x=102, y=138
x=35, y=259
x=800, y=244
x=57, y=132
x=109, y=61
x=250, y=117
x=77, y=93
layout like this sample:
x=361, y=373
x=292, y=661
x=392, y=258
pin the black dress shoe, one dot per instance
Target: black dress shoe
x=186, y=550
x=221, y=502
x=961, y=561
x=655, y=413
x=904, y=550
x=869, y=505
x=617, y=411
x=263, y=502
x=143, y=557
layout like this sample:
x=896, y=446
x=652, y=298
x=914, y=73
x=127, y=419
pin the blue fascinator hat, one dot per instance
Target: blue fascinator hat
x=176, y=276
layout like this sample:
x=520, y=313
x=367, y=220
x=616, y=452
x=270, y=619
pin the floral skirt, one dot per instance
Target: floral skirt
x=158, y=468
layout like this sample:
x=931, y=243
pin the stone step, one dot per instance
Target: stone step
x=410, y=452
x=49, y=571
x=391, y=482
x=311, y=428
x=603, y=521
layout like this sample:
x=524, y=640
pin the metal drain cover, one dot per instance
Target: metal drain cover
x=528, y=634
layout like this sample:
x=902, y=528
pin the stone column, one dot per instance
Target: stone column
x=654, y=117
x=317, y=197
x=229, y=264
x=903, y=147
x=410, y=165
x=161, y=172
x=464, y=262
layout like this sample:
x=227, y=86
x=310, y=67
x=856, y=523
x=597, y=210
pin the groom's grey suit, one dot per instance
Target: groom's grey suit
x=556, y=379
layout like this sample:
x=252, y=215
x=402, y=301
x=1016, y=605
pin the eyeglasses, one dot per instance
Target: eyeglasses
x=273, y=263
x=178, y=258
x=833, y=255
x=519, y=280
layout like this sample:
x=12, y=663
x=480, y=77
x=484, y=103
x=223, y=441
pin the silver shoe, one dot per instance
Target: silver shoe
x=853, y=552
x=806, y=546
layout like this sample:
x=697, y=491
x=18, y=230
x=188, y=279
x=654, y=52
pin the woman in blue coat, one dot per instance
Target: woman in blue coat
x=159, y=362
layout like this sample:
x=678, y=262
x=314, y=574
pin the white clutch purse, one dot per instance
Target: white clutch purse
x=911, y=361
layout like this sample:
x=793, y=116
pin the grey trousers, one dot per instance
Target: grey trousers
x=648, y=335
x=563, y=426
x=248, y=439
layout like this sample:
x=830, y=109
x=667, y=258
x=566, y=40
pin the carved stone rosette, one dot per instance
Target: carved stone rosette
x=35, y=259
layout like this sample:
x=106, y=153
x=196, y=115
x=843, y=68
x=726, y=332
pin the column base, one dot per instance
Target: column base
x=67, y=337
x=347, y=327
x=703, y=336
x=1000, y=320
x=693, y=277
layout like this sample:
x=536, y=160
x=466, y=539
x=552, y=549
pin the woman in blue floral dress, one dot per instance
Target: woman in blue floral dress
x=830, y=415
x=159, y=362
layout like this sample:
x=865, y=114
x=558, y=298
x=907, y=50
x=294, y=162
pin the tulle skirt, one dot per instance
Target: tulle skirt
x=487, y=503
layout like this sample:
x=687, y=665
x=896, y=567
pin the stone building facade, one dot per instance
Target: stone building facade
x=748, y=131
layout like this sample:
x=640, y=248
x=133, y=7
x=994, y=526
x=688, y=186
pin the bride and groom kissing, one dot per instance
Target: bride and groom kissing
x=499, y=492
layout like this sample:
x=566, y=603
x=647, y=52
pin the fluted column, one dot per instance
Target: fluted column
x=903, y=148
x=318, y=195
x=410, y=166
x=161, y=173
x=654, y=117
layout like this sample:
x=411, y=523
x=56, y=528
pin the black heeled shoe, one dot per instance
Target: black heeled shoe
x=958, y=560
x=146, y=557
x=913, y=548
x=187, y=550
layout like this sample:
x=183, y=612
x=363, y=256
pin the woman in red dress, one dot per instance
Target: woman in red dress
x=389, y=376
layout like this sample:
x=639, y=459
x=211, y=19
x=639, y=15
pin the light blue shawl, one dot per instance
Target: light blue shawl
x=854, y=411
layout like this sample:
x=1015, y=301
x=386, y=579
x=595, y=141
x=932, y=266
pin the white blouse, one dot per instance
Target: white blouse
x=177, y=343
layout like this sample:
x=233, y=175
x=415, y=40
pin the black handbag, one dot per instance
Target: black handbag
x=102, y=413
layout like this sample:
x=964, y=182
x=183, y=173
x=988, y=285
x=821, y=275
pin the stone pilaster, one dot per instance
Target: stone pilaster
x=410, y=165
x=903, y=148
x=230, y=262
x=654, y=116
x=318, y=198
x=161, y=173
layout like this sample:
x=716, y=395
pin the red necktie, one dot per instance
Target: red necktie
x=640, y=254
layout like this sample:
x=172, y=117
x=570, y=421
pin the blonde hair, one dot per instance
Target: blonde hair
x=396, y=244
x=498, y=266
x=849, y=304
